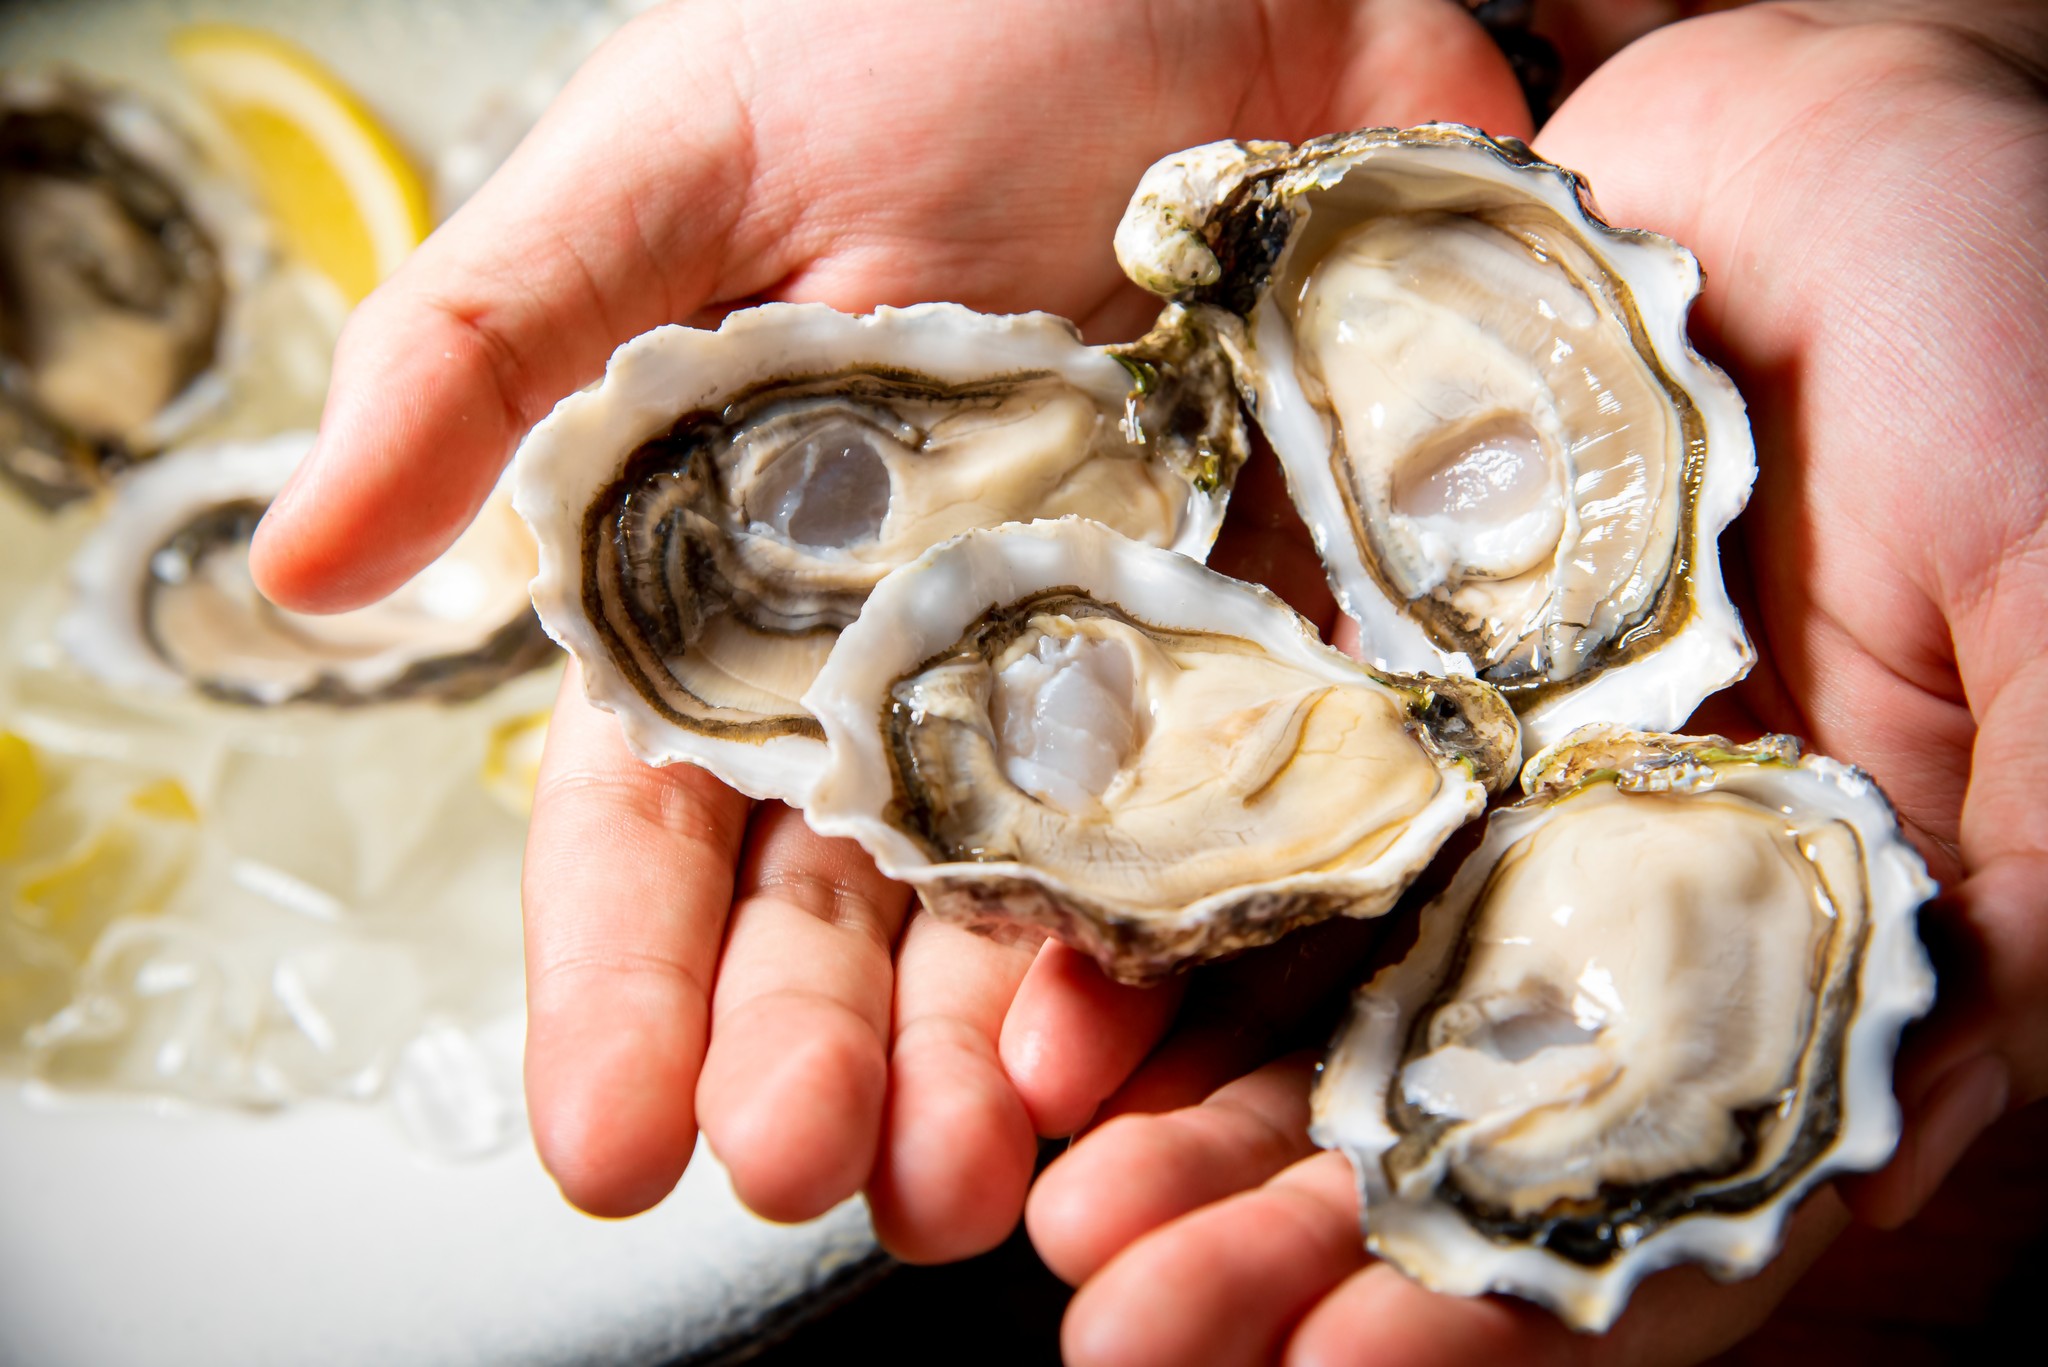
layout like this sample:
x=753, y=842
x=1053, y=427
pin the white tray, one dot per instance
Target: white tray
x=129, y=1236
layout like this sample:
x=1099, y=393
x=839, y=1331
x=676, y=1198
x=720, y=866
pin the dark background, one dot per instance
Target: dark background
x=1957, y=1285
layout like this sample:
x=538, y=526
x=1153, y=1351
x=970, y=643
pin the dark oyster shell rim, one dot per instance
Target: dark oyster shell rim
x=1249, y=231
x=512, y=649
x=1139, y=948
x=1590, y=1298
x=82, y=466
x=1174, y=373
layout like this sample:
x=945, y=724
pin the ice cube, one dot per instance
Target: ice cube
x=339, y=1014
x=456, y=1097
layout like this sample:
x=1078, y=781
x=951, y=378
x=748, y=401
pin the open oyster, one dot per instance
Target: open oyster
x=1056, y=726
x=1511, y=459
x=162, y=599
x=1655, y=1008
x=112, y=291
x=715, y=512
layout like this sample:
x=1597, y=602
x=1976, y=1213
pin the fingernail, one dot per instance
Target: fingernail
x=1961, y=1106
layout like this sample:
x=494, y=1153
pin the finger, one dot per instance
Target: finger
x=579, y=242
x=628, y=877
x=1224, y=1285
x=1073, y=1035
x=1586, y=33
x=1983, y=1049
x=791, y=1096
x=957, y=1145
x=1139, y=1172
x=1240, y=1014
x=1378, y=1315
x=1415, y=60
x=1954, y=1110
x=1265, y=541
x=1228, y=1284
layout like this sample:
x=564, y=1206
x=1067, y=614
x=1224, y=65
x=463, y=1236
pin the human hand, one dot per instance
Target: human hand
x=1861, y=182
x=689, y=963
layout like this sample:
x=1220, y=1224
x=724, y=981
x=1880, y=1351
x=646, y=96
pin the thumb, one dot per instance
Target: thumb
x=583, y=239
x=1985, y=1048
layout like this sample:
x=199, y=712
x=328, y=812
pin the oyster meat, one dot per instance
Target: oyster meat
x=112, y=289
x=714, y=513
x=1511, y=458
x=1655, y=1008
x=1054, y=725
x=162, y=599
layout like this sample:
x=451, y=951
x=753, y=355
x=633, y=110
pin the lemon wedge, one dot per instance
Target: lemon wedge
x=511, y=769
x=343, y=195
x=21, y=791
x=166, y=800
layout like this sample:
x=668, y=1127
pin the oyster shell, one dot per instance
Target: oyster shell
x=1511, y=458
x=162, y=599
x=717, y=510
x=113, y=285
x=1654, y=1009
x=1053, y=725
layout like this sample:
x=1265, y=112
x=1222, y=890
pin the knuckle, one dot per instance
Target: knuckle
x=831, y=898
x=607, y=966
x=662, y=800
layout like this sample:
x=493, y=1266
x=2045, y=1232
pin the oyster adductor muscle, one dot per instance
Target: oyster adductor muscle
x=718, y=510
x=1512, y=459
x=1654, y=1009
x=1052, y=726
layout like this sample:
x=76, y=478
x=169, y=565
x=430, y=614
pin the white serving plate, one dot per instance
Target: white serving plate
x=132, y=1235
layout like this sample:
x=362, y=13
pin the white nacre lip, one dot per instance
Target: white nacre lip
x=1655, y=1008
x=713, y=513
x=1512, y=460
x=1051, y=726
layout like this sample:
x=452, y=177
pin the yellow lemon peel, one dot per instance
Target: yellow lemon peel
x=167, y=799
x=21, y=791
x=344, y=197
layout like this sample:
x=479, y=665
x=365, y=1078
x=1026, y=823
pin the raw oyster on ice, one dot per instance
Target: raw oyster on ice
x=1055, y=726
x=113, y=288
x=162, y=599
x=1654, y=1009
x=713, y=514
x=1511, y=458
